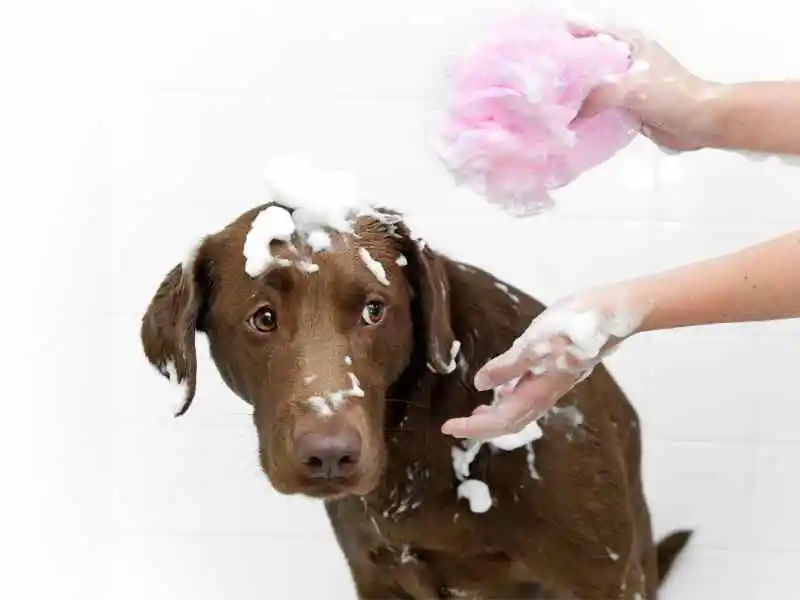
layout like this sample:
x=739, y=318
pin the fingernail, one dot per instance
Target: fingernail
x=482, y=382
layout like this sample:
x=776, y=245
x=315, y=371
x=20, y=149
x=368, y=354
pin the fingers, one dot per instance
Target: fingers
x=531, y=398
x=501, y=369
x=586, y=27
x=508, y=416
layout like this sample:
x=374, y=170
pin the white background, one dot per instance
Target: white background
x=132, y=128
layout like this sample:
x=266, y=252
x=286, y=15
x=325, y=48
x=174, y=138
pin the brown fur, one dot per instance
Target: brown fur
x=580, y=531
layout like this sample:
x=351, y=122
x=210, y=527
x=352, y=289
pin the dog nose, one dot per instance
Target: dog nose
x=329, y=455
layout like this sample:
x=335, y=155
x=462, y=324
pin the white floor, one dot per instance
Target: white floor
x=203, y=95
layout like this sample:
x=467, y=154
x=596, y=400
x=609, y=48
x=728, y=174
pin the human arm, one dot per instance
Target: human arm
x=757, y=117
x=759, y=283
x=563, y=345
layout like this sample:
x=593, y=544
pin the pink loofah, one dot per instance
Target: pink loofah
x=509, y=128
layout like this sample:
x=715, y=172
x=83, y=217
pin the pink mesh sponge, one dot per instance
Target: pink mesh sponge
x=509, y=130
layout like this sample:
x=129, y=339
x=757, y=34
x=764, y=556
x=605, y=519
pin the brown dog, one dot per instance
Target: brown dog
x=350, y=371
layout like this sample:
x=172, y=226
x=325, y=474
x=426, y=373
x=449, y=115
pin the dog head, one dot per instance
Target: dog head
x=312, y=329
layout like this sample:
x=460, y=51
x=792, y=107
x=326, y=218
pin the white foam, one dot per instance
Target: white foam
x=462, y=458
x=511, y=441
x=570, y=413
x=318, y=240
x=374, y=266
x=320, y=199
x=406, y=556
x=530, y=459
x=477, y=494
x=455, y=348
x=401, y=261
x=587, y=331
x=272, y=223
x=354, y=391
x=320, y=405
x=348, y=360
x=538, y=370
x=306, y=266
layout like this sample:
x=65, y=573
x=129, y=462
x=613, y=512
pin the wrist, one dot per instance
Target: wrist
x=626, y=305
x=710, y=110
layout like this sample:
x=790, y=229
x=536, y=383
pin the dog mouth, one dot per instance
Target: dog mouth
x=340, y=487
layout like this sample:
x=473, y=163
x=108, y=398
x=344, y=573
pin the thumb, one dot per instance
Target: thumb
x=603, y=97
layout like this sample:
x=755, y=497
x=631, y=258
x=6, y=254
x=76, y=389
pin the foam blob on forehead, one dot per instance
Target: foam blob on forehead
x=272, y=223
x=319, y=199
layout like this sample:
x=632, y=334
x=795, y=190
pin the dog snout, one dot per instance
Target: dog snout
x=328, y=455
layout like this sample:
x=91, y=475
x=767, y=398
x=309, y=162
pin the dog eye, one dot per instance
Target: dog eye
x=264, y=320
x=373, y=312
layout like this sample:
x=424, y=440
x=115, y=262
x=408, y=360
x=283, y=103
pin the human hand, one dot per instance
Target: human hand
x=557, y=351
x=674, y=105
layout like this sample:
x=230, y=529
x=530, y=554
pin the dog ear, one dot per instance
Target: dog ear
x=428, y=277
x=169, y=325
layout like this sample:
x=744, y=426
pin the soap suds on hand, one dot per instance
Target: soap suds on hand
x=373, y=265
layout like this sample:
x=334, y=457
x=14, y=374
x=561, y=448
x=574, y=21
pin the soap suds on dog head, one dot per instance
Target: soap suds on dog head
x=318, y=240
x=477, y=494
x=320, y=199
x=316, y=203
x=320, y=405
x=354, y=391
x=332, y=401
x=374, y=266
x=274, y=223
x=401, y=261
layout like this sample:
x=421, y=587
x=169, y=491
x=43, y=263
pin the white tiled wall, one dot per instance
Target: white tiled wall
x=202, y=94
